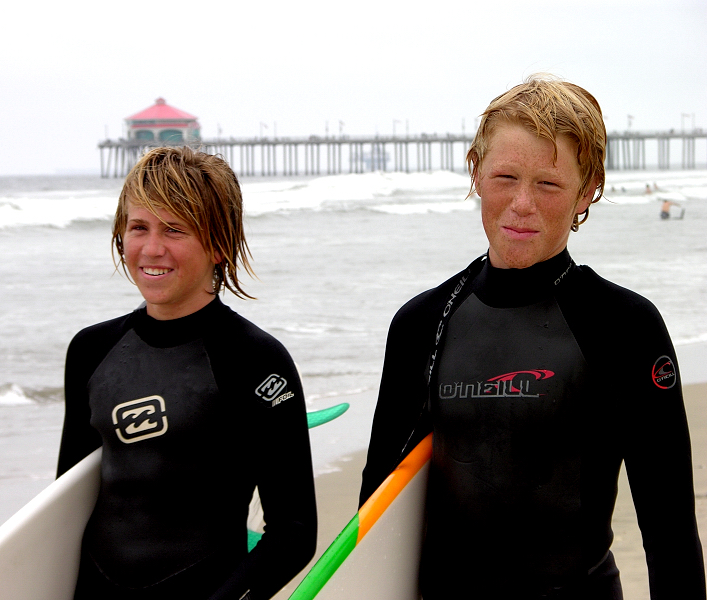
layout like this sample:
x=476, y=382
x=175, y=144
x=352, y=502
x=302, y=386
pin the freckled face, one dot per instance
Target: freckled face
x=528, y=202
x=167, y=262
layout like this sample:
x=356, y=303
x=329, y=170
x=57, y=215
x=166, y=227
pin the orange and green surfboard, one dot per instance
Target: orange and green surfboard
x=377, y=554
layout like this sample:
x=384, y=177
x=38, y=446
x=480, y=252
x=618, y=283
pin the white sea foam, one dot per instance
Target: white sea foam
x=392, y=193
x=337, y=394
x=426, y=207
x=326, y=469
x=314, y=328
x=12, y=395
x=349, y=190
x=643, y=187
x=55, y=209
x=687, y=341
x=672, y=196
x=696, y=192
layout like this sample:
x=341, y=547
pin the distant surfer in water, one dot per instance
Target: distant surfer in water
x=538, y=378
x=194, y=406
x=665, y=209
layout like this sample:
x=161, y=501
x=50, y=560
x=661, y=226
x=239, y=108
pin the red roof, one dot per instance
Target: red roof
x=161, y=111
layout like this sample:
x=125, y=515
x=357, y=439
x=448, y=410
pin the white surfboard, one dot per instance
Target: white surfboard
x=40, y=545
x=377, y=555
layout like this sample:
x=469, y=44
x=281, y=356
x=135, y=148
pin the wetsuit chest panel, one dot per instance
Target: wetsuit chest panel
x=508, y=441
x=506, y=399
x=145, y=395
x=163, y=424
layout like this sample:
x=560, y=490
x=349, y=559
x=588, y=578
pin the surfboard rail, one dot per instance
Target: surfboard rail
x=58, y=514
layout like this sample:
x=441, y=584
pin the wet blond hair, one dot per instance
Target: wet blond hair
x=549, y=107
x=200, y=189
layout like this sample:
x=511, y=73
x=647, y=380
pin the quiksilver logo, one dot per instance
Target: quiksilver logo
x=663, y=373
x=140, y=419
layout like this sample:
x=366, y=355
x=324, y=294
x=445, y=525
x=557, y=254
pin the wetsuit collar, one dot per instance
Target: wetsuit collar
x=505, y=288
x=174, y=332
x=499, y=288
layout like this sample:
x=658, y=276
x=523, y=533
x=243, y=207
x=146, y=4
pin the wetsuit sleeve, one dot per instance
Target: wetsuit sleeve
x=658, y=461
x=402, y=394
x=78, y=438
x=283, y=470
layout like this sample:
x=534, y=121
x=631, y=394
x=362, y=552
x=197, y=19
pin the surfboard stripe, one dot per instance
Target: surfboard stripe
x=329, y=562
x=380, y=500
x=362, y=522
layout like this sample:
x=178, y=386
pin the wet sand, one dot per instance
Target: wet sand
x=627, y=546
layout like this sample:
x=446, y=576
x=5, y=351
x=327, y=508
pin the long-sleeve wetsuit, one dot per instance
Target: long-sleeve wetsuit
x=192, y=414
x=543, y=380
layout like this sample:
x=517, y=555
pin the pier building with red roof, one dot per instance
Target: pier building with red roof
x=163, y=123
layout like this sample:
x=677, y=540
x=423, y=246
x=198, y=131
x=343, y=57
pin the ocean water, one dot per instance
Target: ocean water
x=335, y=256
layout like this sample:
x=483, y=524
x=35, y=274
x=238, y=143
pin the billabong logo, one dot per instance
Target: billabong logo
x=283, y=397
x=140, y=419
x=663, y=373
x=271, y=387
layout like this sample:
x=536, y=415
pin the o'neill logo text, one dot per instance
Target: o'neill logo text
x=140, y=419
x=663, y=373
x=270, y=390
x=509, y=385
x=440, y=327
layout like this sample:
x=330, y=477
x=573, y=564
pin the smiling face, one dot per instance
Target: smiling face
x=167, y=262
x=528, y=201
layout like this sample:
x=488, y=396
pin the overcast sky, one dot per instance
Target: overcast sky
x=71, y=71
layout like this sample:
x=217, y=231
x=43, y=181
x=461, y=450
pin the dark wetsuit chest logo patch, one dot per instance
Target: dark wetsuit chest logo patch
x=140, y=419
x=663, y=373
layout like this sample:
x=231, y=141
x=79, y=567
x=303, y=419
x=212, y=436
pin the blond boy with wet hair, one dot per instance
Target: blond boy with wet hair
x=203, y=190
x=538, y=379
x=194, y=406
x=550, y=107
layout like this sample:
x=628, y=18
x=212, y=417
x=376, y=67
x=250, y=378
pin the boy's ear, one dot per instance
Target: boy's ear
x=585, y=201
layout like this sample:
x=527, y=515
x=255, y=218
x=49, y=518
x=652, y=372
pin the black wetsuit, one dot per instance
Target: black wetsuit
x=543, y=381
x=192, y=414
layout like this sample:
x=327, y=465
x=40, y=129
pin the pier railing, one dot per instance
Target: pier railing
x=322, y=155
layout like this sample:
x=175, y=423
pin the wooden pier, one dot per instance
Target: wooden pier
x=315, y=155
x=627, y=150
